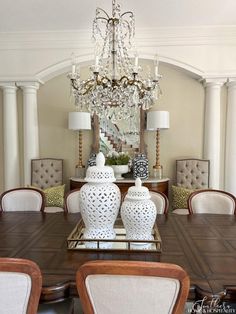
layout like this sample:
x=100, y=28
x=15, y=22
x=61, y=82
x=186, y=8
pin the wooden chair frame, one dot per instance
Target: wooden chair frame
x=193, y=194
x=136, y=268
x=67, y=195
x=26, y=189
x=30, y=268
x=165, y=198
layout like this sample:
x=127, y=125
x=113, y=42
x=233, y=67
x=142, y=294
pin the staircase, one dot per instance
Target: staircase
x=112, y=139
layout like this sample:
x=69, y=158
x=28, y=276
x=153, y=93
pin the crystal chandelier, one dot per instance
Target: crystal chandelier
x=115, y=88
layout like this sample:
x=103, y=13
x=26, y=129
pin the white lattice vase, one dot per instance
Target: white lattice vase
x=138, y=214
x=99, y=202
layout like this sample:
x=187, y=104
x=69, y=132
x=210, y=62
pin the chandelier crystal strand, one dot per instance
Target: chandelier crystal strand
x=115, y=88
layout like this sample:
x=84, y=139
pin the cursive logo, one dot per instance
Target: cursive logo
x=206, y=306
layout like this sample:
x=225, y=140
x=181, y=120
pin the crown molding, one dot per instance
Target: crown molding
x=163, y=36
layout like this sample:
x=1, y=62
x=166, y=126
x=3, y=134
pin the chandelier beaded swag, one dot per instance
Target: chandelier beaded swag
x=115, y=88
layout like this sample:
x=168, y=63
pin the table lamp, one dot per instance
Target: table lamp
x=79, y=121
x=157, y=120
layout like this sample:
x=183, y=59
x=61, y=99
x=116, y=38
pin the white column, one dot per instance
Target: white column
x=212, y=147
x=30, y=126
x=10, y=136
x=230, y=153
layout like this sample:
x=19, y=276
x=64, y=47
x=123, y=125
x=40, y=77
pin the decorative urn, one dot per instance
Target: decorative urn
x=138, y=213
x=99, y=203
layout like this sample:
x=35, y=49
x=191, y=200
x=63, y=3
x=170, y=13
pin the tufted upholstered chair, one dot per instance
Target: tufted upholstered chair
x=161, y=201
x=20, y=286
x=22, y=199
x=46, y=172
x=211, y=202
x=72, y=201
x=132, y=287
x=192, y=173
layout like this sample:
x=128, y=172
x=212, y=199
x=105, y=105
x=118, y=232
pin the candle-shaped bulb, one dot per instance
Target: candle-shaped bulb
x=136, y=60
x=156, y=62
x=96, y=61
x=96, y=67
x=73, y=63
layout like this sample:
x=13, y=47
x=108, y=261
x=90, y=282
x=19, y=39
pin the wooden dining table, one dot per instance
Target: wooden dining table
x=204, y=245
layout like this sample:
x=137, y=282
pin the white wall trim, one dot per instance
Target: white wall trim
x=162, y=36
x=204, y=52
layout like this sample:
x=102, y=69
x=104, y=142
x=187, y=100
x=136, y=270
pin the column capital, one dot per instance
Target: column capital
x=26, y=85
x=231, y=82
x=8, y=85
x=214, y=82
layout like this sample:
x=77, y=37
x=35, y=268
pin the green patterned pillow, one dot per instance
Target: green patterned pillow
x=180, y=196
x=55, y=196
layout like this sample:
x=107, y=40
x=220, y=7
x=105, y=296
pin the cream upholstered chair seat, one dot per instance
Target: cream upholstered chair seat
x=22, y=199
x=211, y=202
x=130, y=287
x=20, y=286
x=47, y=173
x=181, y=211
x=161, y=201
x=72, y=201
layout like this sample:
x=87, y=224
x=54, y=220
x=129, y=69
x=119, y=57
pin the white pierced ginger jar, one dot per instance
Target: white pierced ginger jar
x=138, y=214
x=99, y=203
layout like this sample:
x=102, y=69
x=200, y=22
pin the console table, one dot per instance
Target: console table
x=159, y=185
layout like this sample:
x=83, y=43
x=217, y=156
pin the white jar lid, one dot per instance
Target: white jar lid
x=100, y=173
x=138, y=192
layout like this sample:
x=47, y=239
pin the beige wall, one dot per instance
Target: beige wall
x=55, y=139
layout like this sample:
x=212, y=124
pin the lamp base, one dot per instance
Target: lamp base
x=158, y=172
x=80, y=171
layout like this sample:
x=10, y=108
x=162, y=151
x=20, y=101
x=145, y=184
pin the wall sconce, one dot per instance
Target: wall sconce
x=79, y=121
x=157, y=120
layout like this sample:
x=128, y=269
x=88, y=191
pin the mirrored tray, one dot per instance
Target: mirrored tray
x=75, y=241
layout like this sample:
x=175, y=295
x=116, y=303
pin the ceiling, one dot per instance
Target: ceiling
x=59, y=15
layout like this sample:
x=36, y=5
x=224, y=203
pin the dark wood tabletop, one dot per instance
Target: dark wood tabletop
x=204, y=245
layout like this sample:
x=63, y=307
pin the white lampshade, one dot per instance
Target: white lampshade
x=79, y=121
x=158, y=120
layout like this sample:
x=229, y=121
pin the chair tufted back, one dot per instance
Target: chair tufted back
x=46, y=172
x=192, y=173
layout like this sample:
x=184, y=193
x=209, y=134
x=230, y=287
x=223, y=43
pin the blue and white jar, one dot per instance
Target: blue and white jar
x=140, y=167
